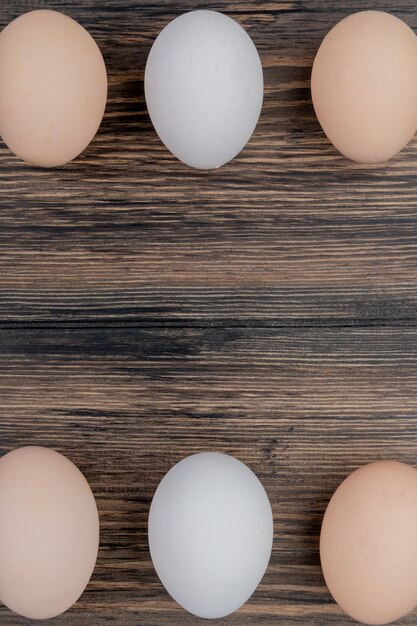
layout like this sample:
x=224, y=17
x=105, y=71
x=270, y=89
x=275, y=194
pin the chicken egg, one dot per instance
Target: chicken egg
x=49, y=532
x=53, y=88
x=210, y=533
x=368, y=543
x=204, y=88
x=364, y=86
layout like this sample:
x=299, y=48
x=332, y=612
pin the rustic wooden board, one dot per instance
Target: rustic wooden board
x=302, y=407
x=267, y=310
x=126, y=217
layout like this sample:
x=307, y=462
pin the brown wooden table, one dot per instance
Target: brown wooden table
x=267, y=310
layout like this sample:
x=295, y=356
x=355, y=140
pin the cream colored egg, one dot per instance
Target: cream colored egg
x=53, y=88
x=49, y=532
x=368, y=543
x=364, y=86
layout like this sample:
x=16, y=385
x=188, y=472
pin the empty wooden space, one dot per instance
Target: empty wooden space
x=267, y=310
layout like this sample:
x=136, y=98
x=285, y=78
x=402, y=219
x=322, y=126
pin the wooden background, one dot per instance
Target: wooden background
x=266, y=310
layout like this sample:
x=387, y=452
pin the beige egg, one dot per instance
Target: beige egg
x=49, y=532
x=368, y=543
x=53, y=88
x=364, y=86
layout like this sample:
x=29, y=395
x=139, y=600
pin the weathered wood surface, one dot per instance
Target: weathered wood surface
x=126, y=217
x=267, y=310
x=302, y=407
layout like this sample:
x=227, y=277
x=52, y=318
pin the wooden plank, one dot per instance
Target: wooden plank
x=126, y=217
x=302, y=407
x=212, y=306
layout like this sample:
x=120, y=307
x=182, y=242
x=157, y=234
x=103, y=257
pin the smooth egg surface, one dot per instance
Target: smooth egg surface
x=53, y=88
x=210, y=533
x=49, y=532
x=368, y=543
x=364, y=86
x=204, y=88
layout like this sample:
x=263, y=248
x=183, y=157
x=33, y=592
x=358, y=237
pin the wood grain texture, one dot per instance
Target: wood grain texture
x=212, y=306
x=267, y=310
x=302, y=407
x=127, y=217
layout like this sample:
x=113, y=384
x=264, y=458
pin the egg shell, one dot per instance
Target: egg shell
x=49, y=532
x=53, y=87
x=368, y=543
x=210, y=533
x=204, y=88
x=364, y=86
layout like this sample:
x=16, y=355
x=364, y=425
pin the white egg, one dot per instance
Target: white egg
x=210, y=533
x=204, y=88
